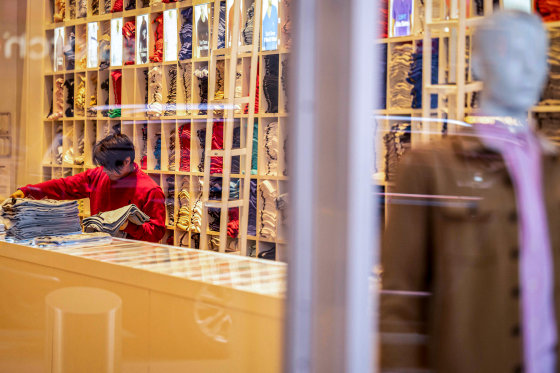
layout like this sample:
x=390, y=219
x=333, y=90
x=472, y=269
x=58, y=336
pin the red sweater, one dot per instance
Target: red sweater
x=107, y=195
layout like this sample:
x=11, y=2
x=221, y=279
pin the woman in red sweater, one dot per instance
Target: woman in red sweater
x=116, y=183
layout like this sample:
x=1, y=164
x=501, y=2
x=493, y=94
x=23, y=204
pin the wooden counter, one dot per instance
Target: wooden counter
x=183, y=310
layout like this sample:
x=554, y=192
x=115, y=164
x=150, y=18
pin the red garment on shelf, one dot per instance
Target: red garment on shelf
x=169, y=1
x=246, y=111
x=107, y=195
x=129, y=33
x=233, y=223
x=118, y=6
x=216, y=163
x=157, y=55
x=548, y=9
x=116, y=75
x=185, y=147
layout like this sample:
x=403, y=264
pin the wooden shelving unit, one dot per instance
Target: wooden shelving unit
x=91, y=123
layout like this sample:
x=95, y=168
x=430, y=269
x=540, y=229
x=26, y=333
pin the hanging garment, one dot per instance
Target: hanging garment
x=143, y=44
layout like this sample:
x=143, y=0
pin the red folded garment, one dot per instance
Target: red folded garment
x=116, y=76
x=118, y=6
x=157, y=55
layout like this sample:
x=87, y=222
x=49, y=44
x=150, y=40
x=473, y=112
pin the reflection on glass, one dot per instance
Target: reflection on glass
x=92, y=45
x=270, y=25
x=142, y=39
x=170, y=35
x=59, y=49
x=401, y=15
x=116, y=42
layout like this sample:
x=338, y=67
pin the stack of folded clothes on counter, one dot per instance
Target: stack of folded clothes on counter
x=27, y=218
x=111, y=221
x=73, y=239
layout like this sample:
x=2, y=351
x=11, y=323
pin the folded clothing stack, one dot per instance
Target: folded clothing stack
x=268, y=214
x=415, y=74
x=400, y=88
x=397, y=142
x=28, y=218
x=111, y=221
x=73, y=239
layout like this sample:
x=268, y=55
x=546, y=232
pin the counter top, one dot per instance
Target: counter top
x=165, y=268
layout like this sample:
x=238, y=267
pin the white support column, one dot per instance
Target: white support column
x=330, y=323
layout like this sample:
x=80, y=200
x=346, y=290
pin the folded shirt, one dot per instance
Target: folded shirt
x=111, y=221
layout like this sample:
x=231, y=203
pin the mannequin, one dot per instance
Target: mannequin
x=513, y=78
x=468, y=256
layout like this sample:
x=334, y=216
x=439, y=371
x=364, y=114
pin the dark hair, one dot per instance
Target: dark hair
x=112, y=151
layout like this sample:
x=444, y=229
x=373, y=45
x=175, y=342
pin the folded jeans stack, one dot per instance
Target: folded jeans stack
x=111, y=221
x=27, y=218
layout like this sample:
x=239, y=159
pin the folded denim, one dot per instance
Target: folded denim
x=27, y=218
x=72, y=239
x=111, y=221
